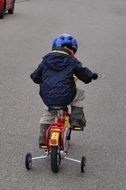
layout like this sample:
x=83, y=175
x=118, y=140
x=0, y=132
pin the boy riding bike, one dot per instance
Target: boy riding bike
x=55, y=75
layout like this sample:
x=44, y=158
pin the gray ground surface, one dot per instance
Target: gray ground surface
x=100, y=27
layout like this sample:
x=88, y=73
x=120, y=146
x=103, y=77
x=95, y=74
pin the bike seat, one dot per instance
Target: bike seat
x=64, y=108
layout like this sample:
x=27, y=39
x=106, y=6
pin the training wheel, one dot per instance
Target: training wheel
x=83, y=164
x=28, y=161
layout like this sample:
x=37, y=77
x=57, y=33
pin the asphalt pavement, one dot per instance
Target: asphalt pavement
x=25, y=36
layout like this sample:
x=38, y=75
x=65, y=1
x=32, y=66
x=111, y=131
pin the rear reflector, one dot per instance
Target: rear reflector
x=53, y=141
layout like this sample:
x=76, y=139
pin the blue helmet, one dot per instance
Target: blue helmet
x=65, y=40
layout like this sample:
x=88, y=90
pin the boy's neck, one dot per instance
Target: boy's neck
x=66, y=49
x=70, y=51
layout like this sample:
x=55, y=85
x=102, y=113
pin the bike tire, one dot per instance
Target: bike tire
x=83, y=164
x=55, y=159
x=28, y=161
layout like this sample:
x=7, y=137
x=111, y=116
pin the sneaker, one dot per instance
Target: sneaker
x=78, y=121
x=43, y=128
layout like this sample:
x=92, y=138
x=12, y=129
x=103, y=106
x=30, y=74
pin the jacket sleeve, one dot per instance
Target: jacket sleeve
x=36, y=76
x=83, y=73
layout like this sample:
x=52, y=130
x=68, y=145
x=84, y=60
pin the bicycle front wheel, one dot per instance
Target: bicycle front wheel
x=55, y=158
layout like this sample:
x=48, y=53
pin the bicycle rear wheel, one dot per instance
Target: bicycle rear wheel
x=55, y=158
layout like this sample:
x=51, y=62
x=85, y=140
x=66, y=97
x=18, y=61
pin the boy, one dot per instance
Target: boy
x=55, y=75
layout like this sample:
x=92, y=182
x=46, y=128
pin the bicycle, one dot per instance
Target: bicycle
x=57, y=142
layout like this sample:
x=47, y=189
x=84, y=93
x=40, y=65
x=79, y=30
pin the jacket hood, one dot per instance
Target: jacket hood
x=56, y=61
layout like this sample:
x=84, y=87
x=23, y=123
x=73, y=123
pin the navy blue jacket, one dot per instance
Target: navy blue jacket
x=55, y=74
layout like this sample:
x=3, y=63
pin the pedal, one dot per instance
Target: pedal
x=43, y=147
x=77, y=129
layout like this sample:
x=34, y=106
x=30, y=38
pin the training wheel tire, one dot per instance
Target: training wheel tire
x=28, y=161
x=83, y=164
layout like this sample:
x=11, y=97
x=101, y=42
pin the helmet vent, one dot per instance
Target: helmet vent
x=62, y=37
x=70, y=38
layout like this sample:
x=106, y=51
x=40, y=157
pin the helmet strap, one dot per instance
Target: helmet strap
x=69, y=51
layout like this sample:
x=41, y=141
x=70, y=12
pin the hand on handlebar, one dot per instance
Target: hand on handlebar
x=95, y=76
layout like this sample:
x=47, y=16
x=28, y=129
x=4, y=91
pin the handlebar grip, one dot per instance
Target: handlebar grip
x=95, y=76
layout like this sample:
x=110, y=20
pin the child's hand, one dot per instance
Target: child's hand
x=95, y=76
